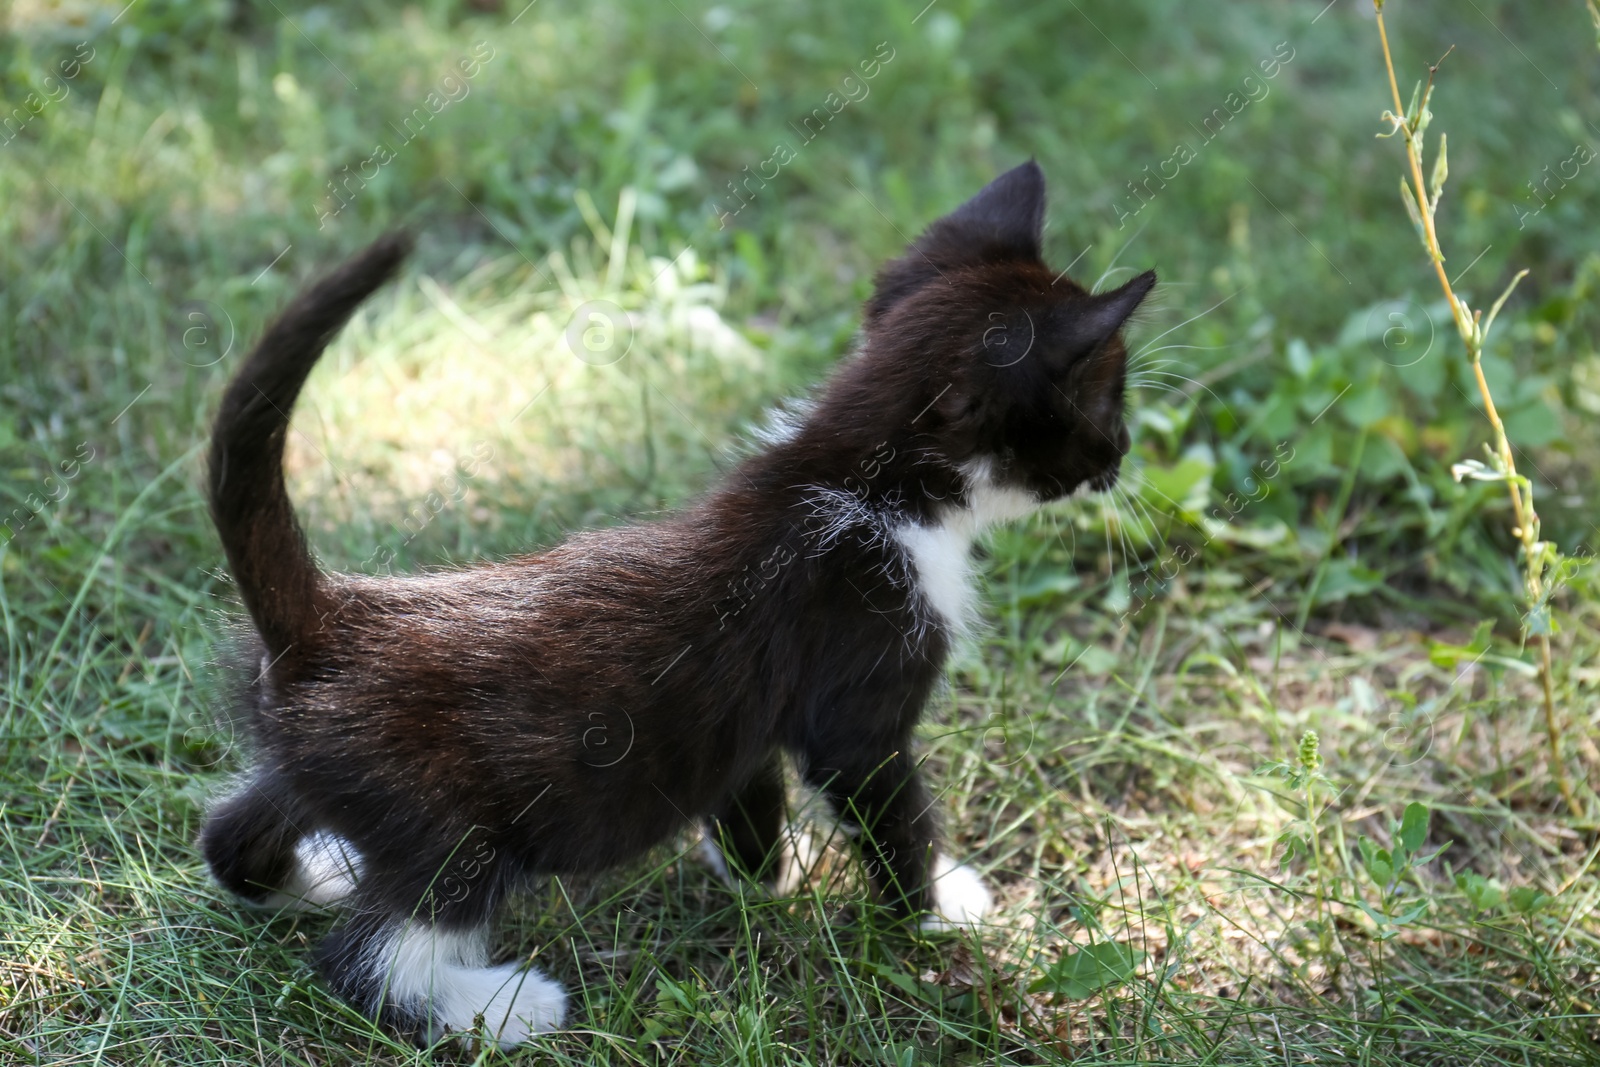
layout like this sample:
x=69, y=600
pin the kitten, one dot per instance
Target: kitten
x=422, y=744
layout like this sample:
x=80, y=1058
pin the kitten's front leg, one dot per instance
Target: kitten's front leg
x=900, y=837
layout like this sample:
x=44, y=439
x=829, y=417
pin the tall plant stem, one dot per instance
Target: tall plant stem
x=1473, y=330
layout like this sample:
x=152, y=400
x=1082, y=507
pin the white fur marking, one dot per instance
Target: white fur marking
x=800, y=854
x=784, y=421
x=835, y=513
x=941, y=554
x=711, y=853
x=991, y=503
x=326, y=867
x=959, y=896
x=444, y=977
x=941, y=558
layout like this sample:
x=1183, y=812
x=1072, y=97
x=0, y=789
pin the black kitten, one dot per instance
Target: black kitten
x=424, y=743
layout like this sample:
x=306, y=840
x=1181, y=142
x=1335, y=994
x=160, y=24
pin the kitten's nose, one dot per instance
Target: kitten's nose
x=1124, y=442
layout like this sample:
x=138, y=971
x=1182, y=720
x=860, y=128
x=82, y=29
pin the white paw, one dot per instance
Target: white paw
x=513, y=1003
x=959, y=896
x=800, y=853
x=711, y=855
x=325, y=872
x=441, y=977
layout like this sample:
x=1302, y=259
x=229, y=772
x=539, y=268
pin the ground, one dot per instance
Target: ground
x=1122, y=750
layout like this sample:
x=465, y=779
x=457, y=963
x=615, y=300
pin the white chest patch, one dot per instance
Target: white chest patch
x=941, y=553
x=941, y=563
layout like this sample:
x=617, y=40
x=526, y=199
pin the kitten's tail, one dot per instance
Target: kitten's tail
x=277, y=578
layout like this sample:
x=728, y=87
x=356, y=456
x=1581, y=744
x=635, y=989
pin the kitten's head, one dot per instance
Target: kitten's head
x=1015, y=371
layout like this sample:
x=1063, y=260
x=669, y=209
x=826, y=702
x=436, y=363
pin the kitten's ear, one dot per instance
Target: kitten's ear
x=1097, y=317
x=1004, y=221
x=1007, y=214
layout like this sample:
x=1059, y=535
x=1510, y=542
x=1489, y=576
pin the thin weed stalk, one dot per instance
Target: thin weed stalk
x=1310, y=758
x=1422, y=203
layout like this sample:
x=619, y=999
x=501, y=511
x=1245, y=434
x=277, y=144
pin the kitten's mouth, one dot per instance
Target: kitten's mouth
x=1099, y=483
x=1102, y=482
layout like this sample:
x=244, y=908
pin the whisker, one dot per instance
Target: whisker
x=1111, y=558
x=1095, y=288
x=1115, y=505
x=1122, y=536
x=1128, y=506
x=1072, y=545
x=1119, y=497
x=1157, y=539
x=1196, y=383
x=1154, y=368
x=1152, y=381
x=1167, y=348
x=1144, y=565
x=1186, y=322
x=1148, y=374
x=1177, y=508
x=1159, y=387
x=1138, y=502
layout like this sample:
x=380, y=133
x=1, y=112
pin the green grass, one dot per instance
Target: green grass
x=1104, y=753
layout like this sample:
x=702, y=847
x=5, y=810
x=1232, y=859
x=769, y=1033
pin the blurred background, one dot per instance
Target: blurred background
x=210, y=157
x=717, y=183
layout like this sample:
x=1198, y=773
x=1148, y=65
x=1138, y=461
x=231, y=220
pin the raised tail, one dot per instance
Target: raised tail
x=277, y=578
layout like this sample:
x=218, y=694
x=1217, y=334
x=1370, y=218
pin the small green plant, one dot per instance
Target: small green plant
x=1392, y=870
x=1482, y=893
x=1540, y=559
x=1403, y=898
x=1302, y=839
x=1485, y=894
x=1097, y=968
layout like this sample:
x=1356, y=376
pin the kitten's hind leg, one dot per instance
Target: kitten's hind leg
x=249, y=838
x=426, y=971
x=747, y=831
x=326, y=868
x=257, y=844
